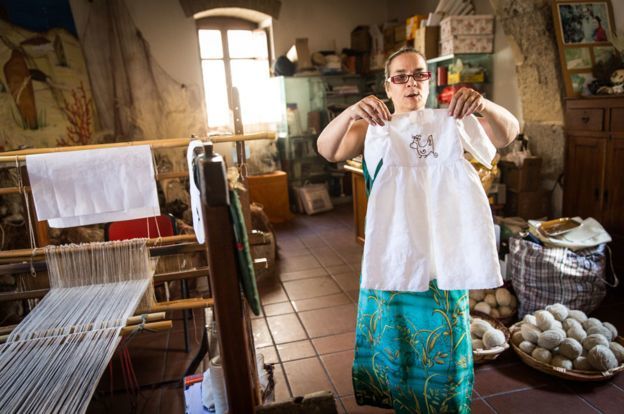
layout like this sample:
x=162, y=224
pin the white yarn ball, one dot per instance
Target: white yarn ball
x=561, y=362
x=550, y=339
x=527, y=347
x=570, y=348
x=577, y=332
x=544, y=319
x=483, y=307
x=503, y=296
x=493, y=338
x=490, y=299
x=601, y=358
x=530, y=332
x=578, y=315
x=542, y=355
x=594, y=340
x=478, y=327
x=591, y=322
x=559, y=311
x=618, y=351
x=477, y=294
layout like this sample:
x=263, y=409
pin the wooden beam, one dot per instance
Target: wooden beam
x=126, y=330
x=11, y=256
x=12, y=156
x=229, y=307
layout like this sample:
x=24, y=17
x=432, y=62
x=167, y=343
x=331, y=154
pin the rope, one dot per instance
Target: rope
x=22, y=190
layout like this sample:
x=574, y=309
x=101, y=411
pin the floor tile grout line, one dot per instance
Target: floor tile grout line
x=334, y=279
x=308, y=338
x=587, y=402
x=515, y=390
x=318, y=356
x=617, y=386
x=279, y=358
x=489, y=405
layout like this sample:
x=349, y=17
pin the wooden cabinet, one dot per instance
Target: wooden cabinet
x=594, y=165
x=360, y=199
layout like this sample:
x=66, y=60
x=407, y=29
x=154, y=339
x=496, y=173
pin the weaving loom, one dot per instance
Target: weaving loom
x=78, y=333
x=53, y=360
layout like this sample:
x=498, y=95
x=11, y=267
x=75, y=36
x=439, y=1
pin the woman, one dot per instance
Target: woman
x=413, y=351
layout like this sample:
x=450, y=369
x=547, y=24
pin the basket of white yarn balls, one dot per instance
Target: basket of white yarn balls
x=498, y=303
x=568, y=344
x=489, y=337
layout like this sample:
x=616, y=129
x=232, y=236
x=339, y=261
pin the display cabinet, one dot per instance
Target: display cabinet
x=302, y=112
x=451, y=72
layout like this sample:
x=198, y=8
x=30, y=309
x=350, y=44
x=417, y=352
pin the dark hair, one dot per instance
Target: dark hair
x=404, y=49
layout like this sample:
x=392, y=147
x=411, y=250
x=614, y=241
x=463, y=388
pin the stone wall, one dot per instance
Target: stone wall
x=528, y=26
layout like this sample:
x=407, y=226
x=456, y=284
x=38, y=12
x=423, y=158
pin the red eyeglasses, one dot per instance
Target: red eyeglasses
x=404, y=77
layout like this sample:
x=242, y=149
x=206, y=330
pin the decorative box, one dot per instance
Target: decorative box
x=478, y=24
x=466, y=77
x=467, y=44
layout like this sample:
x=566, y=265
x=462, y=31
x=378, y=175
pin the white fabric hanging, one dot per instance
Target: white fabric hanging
x=93, y=186
x=196, y=208
x=428, y=216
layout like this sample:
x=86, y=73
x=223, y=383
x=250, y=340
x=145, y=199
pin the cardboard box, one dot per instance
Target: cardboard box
x=412, y=24
x=466, y=77
x=478, y=24
x=524, y=178
x=427, y=41
x=467, y=44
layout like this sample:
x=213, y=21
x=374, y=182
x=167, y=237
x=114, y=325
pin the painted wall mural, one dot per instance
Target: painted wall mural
x=45, y=94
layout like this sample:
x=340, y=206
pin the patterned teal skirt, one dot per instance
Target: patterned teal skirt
x=413, y=351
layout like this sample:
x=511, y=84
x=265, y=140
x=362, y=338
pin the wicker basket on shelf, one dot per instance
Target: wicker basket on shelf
x=568, y=374
x=481, y=356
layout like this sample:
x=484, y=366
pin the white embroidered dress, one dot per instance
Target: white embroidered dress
x=428, y=216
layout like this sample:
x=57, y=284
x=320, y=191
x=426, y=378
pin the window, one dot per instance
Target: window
x=235, y=53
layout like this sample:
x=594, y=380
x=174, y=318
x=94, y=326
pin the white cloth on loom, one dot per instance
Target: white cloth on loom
x=196, y=208
x=428, y=216
x=93, y=186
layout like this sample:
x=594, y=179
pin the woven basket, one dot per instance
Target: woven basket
x=481, y=356
x=569, y=374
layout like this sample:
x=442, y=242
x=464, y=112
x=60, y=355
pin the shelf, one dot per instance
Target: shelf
x=456, y=55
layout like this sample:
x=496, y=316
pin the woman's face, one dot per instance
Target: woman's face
x=413, y=94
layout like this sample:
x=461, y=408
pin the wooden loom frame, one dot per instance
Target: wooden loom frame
x=232, y=316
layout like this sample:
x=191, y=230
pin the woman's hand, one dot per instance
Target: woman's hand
x=465, y=102
x=371, y=109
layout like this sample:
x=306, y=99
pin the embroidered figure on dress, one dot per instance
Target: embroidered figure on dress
x=423, y=149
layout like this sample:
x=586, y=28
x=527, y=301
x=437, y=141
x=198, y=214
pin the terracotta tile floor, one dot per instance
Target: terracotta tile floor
x=159, y=363
x=308, y=330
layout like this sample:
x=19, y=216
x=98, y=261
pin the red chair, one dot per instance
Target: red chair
x=150, y=227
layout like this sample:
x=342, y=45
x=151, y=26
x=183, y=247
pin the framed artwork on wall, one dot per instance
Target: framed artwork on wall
x=581, y=29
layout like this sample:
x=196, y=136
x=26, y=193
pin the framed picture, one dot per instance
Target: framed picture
x=578, y=58
x=581, y=29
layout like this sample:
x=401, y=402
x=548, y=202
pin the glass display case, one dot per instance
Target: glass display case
x=451, y=72
x=302, y=110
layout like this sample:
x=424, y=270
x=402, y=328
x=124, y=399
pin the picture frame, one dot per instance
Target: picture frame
x=581, y=28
